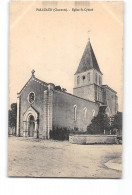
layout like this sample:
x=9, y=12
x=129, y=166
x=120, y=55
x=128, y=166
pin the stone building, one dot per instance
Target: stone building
x=41, y=106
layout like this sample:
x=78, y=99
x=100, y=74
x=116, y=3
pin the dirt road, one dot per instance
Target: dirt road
x=46, y=158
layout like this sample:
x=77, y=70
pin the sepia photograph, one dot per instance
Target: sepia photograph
x=65, y=89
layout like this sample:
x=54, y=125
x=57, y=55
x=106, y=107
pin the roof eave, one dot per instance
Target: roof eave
x=88, y=70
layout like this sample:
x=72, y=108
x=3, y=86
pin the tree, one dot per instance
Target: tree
x=99, y=123
x=12, y=116
x=117, y=121
x=64, y=90
x=58, y=87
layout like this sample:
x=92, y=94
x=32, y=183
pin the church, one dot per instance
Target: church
x=41, y=106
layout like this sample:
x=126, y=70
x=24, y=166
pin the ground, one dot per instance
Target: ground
x=28, y=157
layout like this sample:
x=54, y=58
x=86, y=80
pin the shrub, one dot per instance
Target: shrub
x=117, y=121
x=60, y=133
x=98, y=124
x=12, y=119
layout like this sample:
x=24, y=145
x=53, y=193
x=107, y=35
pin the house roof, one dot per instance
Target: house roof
x=88, y=60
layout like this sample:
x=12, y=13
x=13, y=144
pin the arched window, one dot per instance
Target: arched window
x=99, y=80
x=89, y=76
x=98, y=96
x=75, y=112
x=96, y=78
x=78, y=80
x=31, y=97
x=85, y=113
x=93, y=113
x=83, y=78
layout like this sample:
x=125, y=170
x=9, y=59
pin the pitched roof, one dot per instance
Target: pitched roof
x=88, y=60
x=35, y=79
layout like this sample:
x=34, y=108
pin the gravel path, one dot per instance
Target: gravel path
x=47, y=158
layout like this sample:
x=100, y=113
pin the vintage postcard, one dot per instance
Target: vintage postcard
x=65, y=89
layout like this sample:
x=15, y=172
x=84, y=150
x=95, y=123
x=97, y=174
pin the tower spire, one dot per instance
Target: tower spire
x=88, y=60
x=88, y=77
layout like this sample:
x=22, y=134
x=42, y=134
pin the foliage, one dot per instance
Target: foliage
x=117, y=121
x=99, y=123
x=60, y=89
x=60, y=133
x=63, y=89
x=12, y=116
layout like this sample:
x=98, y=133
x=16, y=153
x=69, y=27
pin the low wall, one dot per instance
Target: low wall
x=93, y=139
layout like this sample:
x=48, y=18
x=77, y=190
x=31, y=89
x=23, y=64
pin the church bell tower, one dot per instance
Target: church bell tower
x=88, y=77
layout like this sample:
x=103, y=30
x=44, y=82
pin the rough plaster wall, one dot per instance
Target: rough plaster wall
x=63, y=111
x=86, y=92
x=111, y=101
x=86, y=81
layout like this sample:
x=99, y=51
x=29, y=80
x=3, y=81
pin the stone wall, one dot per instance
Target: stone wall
x=88, y=88
x=93, y=139
x=38, y=89
x=110, y=99
x=63, y=111
x=87, y=92
x=86, y=81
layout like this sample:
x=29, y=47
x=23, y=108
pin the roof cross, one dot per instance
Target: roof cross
x=89, y=31
x=33, y=71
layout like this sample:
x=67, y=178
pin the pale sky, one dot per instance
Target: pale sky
x=52, y=43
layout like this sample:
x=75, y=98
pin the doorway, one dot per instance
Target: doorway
x=31, y=128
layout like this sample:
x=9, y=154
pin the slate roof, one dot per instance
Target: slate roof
x=88, y=60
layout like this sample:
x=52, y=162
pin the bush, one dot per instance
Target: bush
x=98, y=124
x=117, y=122
x=60, y=133
x=12, y=119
